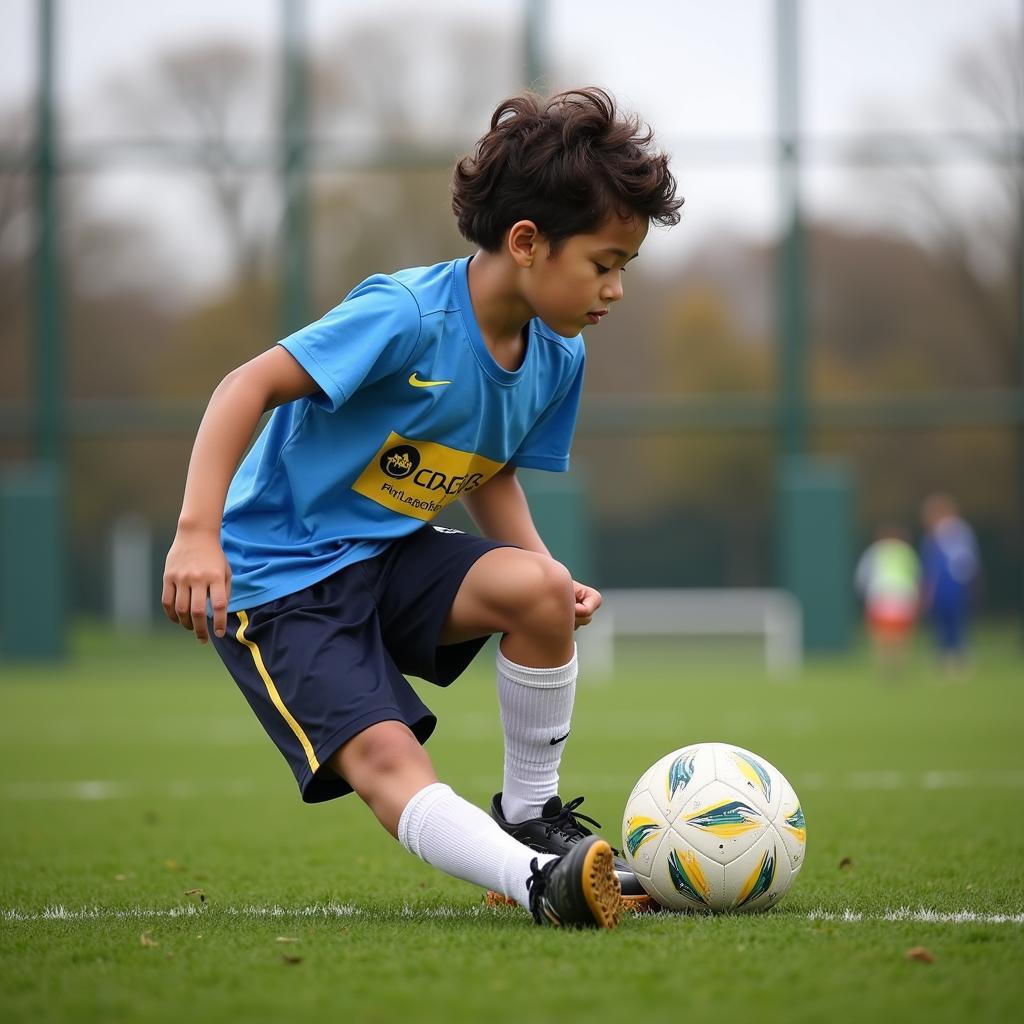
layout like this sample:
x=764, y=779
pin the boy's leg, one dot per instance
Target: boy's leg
x=528, y=598
x=315, y=670
x=536, y=712
x=440, y=594
x=392, y=773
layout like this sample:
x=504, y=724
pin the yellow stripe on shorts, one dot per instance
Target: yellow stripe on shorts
x=257, y=658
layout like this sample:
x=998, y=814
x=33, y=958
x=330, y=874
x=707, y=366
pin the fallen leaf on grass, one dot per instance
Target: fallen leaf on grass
x=291, y=960
x=196, y=892
x=921, y=955
x=846, y=862
x=286, y=938
x=120, y=878
x=145, y=939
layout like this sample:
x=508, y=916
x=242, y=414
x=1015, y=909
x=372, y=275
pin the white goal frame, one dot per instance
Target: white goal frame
x=774, y=615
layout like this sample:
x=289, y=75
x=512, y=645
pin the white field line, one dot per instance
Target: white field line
x=920, y=916
x=333, y=911
x=126, y=789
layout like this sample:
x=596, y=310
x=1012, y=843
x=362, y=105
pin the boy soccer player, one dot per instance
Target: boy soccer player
x=325, y=580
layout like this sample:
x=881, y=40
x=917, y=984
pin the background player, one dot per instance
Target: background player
x=888, y=576
x=950, y=564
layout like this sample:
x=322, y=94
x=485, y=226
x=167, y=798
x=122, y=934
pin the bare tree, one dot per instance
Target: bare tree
x=427, y=81
x=411, y=97
x=978, y=244
x=213, y=98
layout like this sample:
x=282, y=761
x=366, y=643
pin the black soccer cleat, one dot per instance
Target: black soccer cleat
x=558, y=830
x=579, y=890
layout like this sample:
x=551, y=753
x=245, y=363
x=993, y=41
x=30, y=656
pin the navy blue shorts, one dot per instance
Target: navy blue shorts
x=949, y=617
x=325, y=663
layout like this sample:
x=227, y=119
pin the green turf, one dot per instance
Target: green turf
x=917, y=782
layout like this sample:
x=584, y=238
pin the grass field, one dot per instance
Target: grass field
x=158, y=865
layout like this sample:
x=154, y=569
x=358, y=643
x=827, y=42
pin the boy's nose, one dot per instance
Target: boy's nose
x=612, y=291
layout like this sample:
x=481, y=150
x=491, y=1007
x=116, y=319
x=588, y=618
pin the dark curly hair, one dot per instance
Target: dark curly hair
x=567, y=164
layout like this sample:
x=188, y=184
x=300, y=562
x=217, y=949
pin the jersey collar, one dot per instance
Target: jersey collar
x=487, y=362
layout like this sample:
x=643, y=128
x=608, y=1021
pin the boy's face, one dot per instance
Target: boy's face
x=576, y=286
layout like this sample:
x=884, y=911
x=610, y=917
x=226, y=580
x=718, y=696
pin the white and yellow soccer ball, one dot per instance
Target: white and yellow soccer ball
x=712, y=827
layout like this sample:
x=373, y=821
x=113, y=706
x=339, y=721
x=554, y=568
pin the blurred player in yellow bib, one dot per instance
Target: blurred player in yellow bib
x=888, y=577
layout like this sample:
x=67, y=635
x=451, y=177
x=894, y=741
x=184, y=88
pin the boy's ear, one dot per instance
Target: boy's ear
x=524, y=242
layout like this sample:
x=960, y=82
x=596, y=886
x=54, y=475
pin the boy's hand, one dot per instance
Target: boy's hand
x=196, y=568
x=588, y=600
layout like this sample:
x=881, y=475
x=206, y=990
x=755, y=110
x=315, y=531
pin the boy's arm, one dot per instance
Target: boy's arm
x=501, y=512
x=196, y=567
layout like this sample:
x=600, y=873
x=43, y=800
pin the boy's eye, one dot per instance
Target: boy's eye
x=603, y=270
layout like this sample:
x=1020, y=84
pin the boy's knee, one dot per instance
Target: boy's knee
x=386, y=766
x=377, y=754
x=545, y=592
x=556, y=583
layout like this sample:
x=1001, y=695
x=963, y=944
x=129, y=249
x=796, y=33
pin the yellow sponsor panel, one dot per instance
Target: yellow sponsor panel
x=420, y=478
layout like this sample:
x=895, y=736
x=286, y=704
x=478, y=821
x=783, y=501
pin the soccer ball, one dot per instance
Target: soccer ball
x=713, y=827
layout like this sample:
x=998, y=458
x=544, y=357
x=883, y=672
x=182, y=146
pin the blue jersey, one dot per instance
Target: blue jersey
x=412, y=411
x=949, y=556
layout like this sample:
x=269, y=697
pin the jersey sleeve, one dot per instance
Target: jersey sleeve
x=547, y=444
x=372, y=333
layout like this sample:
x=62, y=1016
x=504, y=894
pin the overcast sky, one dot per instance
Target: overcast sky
x=696, y=69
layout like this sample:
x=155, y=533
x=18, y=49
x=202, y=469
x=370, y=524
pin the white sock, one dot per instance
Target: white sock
x=536, y=709
x=438, y=826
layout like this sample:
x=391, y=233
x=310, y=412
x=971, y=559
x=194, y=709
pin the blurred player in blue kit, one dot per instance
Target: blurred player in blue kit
x=313, y=564
x=950, y=566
